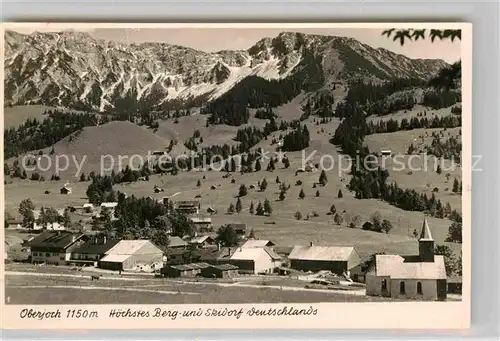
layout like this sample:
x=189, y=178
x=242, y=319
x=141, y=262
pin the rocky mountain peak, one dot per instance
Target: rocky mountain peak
x=75, y=69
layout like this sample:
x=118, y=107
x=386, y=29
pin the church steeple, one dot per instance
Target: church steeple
x=426, y=243
x=426, y=231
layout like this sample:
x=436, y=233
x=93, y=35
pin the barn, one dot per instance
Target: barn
x=133, y=255
x=254, y=260
x=184, y=270
x=337, y=259
x=220, y=271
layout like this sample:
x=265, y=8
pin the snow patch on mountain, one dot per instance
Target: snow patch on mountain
x=75, y=69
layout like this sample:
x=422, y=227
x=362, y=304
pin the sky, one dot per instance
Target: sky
x=216, y=39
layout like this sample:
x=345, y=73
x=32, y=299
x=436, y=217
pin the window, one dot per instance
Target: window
x=419, y=288
x=55, y=254
x=402, y=289
x=35, y=254
x=47, y=254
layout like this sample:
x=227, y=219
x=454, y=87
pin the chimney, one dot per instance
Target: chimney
x=73, y=238
x=218, y=246
x=311, y=244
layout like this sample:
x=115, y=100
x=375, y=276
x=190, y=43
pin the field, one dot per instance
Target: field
x=281, y=226
x=74, y=289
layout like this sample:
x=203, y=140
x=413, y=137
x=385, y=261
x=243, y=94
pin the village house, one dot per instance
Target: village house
x=92, y=251
x=258, y=243
x=55, y=247
x=240, y=229
x=175, y=242
x=337, y=259
x=183, y=270
x=139, y=255
x=254, y=260
x=52, y=225
x=108, y=208
x=188, y=207
x=88, y=208
x=422, y=276
x=216, y=255
x=202, y=224
x=65, y=190
x=220, y=271
x=385, y=152
x=16, y=223
x=202, y=242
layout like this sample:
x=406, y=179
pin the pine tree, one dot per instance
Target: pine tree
x=386, y=226
x=339, y=195
x=238, y=205
x=278, y=180
x=286, y=162
x=251, y=209
x=198, y=184
x=267, y=207
x=270, y=165
x=302, y=195
x=438, y=169
x=338, y=219
x=456, y=186
x=298, y=215
x=82, y=177
x=317, y=193
x=242, y=191
x=258, y=166
x=251, y=235
x=322, y=178
x=230, y=209
x=282, y=195
x=260, y=209
x=263, y=185
x=333, y=209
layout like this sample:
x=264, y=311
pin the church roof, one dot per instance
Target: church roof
x=426, y=232
x=396, y=267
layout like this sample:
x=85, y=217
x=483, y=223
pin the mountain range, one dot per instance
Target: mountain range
x=73, y=69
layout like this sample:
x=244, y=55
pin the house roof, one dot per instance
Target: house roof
x=238, y=226
x=396, y=267
x=115, y=258
x=272, y=254
x=175, y=241
x=109, y=204
x=324, y=253
x=55, y=239
x=98, y=247
x=200, y=239
x=199, y=220
x=214, y=254
x=257, y=243
x=250, y=253
x=191, y=266
x=426, y=232
x=127, y=247
x=225, y=267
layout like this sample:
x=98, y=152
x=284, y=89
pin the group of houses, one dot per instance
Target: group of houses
x=70, y=248
x=417, y=276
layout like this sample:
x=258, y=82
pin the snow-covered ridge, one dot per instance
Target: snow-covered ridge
x=68, y=68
